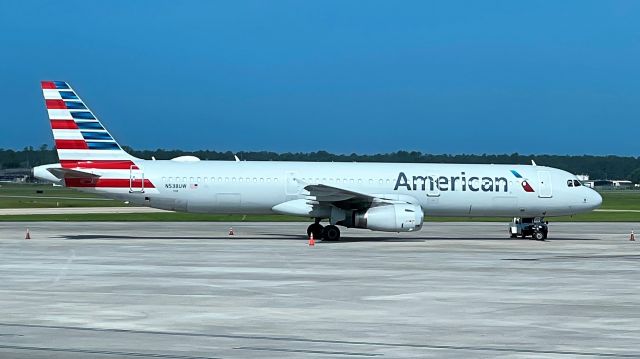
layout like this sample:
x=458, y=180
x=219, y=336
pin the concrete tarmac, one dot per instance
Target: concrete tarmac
x=188, y=290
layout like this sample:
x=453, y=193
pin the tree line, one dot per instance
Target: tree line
x=597, y=167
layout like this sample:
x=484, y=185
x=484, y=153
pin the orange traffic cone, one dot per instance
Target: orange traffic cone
x=312, y=242
x=632, y=237
x=28, y=235
x=231, y=233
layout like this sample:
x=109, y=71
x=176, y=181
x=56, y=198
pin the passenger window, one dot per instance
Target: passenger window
x=184, y=179
x=240, y=179
x=205, y=180
x=199, y=179
x=190, y=179
x=219, y=179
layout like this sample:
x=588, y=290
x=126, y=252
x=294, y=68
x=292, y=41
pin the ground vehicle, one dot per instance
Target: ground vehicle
x=535, y=227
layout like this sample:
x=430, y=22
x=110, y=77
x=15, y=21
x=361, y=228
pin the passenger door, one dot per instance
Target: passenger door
x=544, y=183
x=136, y=180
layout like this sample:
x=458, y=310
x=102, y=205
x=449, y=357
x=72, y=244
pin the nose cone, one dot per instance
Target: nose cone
x=594, y=199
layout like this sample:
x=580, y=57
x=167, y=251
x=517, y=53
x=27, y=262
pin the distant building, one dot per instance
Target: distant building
x=15, y=175
x=609, y=184
x=622, y=184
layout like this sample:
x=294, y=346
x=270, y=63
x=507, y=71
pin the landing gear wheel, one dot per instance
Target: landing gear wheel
x=331, y=233
x=317, y=229
x=538, y=236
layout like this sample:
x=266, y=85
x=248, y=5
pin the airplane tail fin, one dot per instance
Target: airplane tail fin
x=80, y=139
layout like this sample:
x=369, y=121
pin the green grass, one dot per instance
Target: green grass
x=43, y=196
x=193, y=217
x=149, y=217
x=620, y=200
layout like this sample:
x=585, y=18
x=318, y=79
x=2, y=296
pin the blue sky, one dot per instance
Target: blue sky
x=558, y=77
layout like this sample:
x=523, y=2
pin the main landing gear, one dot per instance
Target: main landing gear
x=329, y=233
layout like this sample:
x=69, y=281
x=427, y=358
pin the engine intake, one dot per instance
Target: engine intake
x=398, y=217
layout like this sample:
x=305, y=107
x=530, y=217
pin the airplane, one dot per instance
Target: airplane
x=388, y=197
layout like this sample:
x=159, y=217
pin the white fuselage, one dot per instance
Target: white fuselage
x=466, y=190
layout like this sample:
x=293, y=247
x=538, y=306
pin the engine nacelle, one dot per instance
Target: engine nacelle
x=397, y=217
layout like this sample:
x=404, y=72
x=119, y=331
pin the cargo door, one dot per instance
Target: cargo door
x=544, y=184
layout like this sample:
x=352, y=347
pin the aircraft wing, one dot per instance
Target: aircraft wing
x=339, y=197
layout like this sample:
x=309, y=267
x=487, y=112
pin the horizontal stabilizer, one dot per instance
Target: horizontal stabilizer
x=63, y=173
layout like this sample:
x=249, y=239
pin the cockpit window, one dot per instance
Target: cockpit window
x=573, y=183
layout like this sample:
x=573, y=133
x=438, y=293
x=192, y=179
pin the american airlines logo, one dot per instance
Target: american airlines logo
x=525, y=183
x=463, y=183
x=453, y=183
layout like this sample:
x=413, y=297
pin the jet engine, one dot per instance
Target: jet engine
x=394, y=217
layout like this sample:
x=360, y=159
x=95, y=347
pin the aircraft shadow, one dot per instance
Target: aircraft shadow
x=114, y=237
x=297, y=237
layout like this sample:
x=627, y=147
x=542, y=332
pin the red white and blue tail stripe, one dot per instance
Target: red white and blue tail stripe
x=84, y=144
x=77, y=132
x=79, y=136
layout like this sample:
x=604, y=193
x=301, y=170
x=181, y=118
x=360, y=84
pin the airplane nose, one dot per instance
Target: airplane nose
x=595, y=199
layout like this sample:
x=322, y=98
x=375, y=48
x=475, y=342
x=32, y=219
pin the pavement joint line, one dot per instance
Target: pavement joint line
x=308, y=351
x=103, y=352
x=328, y=341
